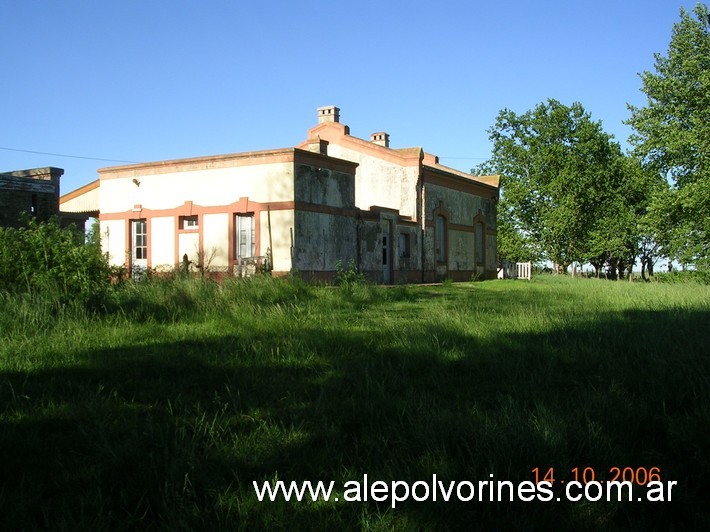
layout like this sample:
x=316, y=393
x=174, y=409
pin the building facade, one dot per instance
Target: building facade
x=397, y=214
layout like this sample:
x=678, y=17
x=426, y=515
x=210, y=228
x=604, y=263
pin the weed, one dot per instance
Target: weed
x=347, y=275
x=43, y=257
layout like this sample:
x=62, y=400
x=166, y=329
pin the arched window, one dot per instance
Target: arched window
x=440, y=238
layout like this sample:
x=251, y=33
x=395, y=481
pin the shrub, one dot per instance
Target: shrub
x=701, y=276
x=44, y=258
x=347, y=275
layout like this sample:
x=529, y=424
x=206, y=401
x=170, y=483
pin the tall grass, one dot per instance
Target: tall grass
x=160, y=411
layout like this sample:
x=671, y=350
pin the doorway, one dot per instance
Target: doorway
x=139, y=247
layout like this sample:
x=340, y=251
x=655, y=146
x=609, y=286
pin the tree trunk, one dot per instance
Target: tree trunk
x=560, y=269
x=597, y=269
x=612, y=269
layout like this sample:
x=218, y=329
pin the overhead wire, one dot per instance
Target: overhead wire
x=139, y=162
x=69, y=156
x=465, y=158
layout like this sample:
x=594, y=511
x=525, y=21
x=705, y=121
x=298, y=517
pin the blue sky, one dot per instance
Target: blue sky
x=153, y=80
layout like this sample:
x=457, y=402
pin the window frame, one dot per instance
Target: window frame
x=250, y=239
x=404, y=251
x=139, y=240
x=189, y=223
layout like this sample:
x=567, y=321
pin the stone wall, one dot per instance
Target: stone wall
x=321, y=240
x=462, y=212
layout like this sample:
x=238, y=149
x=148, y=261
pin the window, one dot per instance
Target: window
x=480, y=243
x=245, y=236
x=189, y=222
x=403, y=245
x=440, y=238
x=140, y=240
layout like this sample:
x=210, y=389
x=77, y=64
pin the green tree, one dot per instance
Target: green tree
x=513, y=244
x=645, y=190
x=624, y=230
x=558, y=169
x=672, y=138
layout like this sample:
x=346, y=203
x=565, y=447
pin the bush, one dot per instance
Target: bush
x=691, y=276
x=44, y=258
x=347, y=275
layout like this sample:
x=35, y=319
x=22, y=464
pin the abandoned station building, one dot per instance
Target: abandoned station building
x=397, y=214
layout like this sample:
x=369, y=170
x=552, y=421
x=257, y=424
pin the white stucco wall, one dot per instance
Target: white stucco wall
x=380, y=182
x=209, y=187
x=282, y=223
x=188, y=244
x=113, y=240
x=215, y=239
x=162, y=238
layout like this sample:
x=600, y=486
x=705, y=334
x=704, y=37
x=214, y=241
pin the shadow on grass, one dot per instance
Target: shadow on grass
x=171, y=435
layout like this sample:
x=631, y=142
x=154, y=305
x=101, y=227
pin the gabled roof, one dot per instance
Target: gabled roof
x=82, y=200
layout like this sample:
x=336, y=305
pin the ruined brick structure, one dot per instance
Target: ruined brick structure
x=34, y=191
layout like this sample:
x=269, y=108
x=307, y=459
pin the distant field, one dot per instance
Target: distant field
x=160, y=412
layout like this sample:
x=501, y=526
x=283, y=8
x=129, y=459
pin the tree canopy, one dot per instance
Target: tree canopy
x=570, y=195
x=561, y=177
x=672, y=138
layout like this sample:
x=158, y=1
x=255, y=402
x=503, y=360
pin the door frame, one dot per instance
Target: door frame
x=138, y=265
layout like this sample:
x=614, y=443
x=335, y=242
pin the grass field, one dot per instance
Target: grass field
x=159, y=412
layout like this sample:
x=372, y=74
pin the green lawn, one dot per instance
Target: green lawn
x=159, y=412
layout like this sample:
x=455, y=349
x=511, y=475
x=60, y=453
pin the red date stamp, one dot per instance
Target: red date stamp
x=635, y=475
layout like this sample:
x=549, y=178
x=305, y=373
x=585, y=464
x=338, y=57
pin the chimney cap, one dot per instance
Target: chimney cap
x=380, y=138
x=329, y=113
